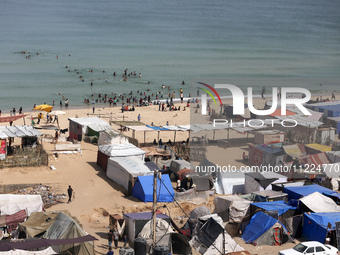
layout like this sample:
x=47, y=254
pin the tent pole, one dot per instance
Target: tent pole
x=175, y=137
x=144, y=137
x=158, y=136
x=214, y=135
x=154, y=209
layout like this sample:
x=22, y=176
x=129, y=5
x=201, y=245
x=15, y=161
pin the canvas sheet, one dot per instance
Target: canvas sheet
x=319, y=203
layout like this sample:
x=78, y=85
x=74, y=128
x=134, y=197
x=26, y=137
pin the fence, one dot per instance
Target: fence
x=27, y=156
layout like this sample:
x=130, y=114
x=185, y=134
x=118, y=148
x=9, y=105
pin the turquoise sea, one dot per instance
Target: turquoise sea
x=247, y=43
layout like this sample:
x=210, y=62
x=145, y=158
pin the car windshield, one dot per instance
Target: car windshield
x=300, y=247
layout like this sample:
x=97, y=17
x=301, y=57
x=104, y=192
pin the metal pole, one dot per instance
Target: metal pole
x=154, y=208
x=175, y=137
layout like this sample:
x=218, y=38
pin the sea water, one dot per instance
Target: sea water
x=246, y=43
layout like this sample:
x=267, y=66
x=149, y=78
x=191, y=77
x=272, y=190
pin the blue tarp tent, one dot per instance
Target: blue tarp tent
x=315, y=225
x=260, y=230
x=279, y=206
x=143, y=189
x=300, y=191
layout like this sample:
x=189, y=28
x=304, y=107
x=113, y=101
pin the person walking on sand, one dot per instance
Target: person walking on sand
x=109, y=238
x=116, y=237
x=262, y=92
x=333, y=95
x=138, y=117
x=69, y=192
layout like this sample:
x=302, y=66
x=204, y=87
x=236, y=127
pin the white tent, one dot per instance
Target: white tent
x=123, y=170
x=47, y=251
x=79, y=126
x=259, y=181
x=230, y=182
x=231, y=208
x=319, y=203
x=110, y=136
x=10, y=204
x=122, y=150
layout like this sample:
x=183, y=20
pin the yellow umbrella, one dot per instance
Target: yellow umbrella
x=43, y=107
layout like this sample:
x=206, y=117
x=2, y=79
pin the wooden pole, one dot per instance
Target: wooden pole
x=175, y=137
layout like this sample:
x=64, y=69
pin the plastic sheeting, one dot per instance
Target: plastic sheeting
x=10, y=204
x=121, y=150
x=319, y=203
x=48, y=251
x=231, y=208
x=280, y=206
x=192, y=196
x=230, y=182
x=298, y=192
x=262, y=181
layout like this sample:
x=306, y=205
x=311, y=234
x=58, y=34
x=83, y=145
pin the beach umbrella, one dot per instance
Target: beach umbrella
x=43, y=107
x=53, y=113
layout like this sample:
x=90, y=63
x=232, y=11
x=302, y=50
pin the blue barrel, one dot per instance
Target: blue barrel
x=140, y=246
x=161, y=250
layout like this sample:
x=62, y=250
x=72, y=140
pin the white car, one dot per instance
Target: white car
x=311, y=248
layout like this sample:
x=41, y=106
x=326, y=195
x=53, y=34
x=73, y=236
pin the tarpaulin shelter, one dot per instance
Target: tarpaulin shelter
x=110, y=136
x=57, y=225
x=329, y=109
x=268, y=196
x=295, y=150
x=335, y=122
x=230, y=182
x=12, y=221
x=316, y=160
x=276, y=209
x=115, y=151
x=265, y=230
x=78, y=127
x=117, y=221
x=207, y=167
x=298, y=192
x=318, y=203
x=258, y=181
x=231, y=208
x=314, y=148
x=10, y=203
x=315, y=225
x=333, y=156
x=47, y=251
x=332, y=171
x=264, y=155
x=202, y=183
x=124, y=171
x=269, y=136
x=211, y=238
x=144, y=185
x=136, y=221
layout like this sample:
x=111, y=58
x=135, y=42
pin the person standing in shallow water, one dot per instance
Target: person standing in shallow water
x=69, y=192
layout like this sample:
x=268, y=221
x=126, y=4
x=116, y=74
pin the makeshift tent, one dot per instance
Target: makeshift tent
x=295, y=150
x=124, y=170
x=12, y=221
x=298, y=192
x=57, y=225
x=110, y=136
x=78, y=127
x=163, y=233
x=258, y=181
x=207, y=167
x=332, y=170
x=231, y=208
x=202, y=183
x=277, y=209
x=268, y=196
x=10, y=203
x=319, y=203
x=269, y=136
x=211, y=237
x=334, y=156
x=177, y=165
x=47, y=251
x=265, y=155
x=265, y=230
x=315, y=225
x=185, y=172
x=335, y=122
x=230, y=182
x=118, y=222
x=329, y=109
x=144, y=185
x=115, y=151
x=136, y=221
x=280, y=186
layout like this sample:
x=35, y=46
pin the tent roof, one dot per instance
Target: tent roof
x=295, y=150
x=88, y=121
x=269, y=193
x=3, y=135
x=319, y=203
x=279, y=206
x=269, y=149
x=319, y=147
x=277, y=112
x=143, y=189
x=120, y=150
x=258, y=225
x=20, y=131
x=132, y=164
x=296, y=192
x=324, y=218
x=144, y=215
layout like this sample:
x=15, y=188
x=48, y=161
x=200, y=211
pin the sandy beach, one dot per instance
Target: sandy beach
x=96, y=196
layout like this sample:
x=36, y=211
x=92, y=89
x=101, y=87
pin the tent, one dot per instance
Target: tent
x=110, y=136
x=210, y=237
x=230, y=182
x=295, y=150
x=318, y=203
x=231, y=208
x=124, y=171
x=335, y=122
x=10, y=203
x=202, y=183
x=258, y=181
x=315, y=225
x=117, y=150
x=334, y=156
x=143, y=189
x=177, y=165
x=298, y=192
x=136, y=221
x=266, y=155
x=12, y=221
x=78, y=127
x=47, y=251
x=268, y=196
x=314, y=148
x=269, y=136
x=57, y=225
x=277, y=209
x=265, y=230
x=117, y=221
x=207, y=167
